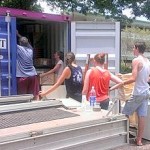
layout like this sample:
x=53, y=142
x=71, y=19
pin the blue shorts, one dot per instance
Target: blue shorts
x=137, y=103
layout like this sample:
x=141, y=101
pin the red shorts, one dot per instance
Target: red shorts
x=28, y=85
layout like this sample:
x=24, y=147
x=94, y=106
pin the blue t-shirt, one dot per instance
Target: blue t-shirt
x=24, y=62
x=74, y=83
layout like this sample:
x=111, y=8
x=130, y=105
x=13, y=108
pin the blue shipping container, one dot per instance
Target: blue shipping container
x=8, y=85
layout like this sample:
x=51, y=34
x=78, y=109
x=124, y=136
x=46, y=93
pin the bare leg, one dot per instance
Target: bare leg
x=141, y=124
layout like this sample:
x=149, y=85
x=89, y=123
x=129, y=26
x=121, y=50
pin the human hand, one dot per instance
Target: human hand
x=42, y=94
x=121, y=84
x=42, y=75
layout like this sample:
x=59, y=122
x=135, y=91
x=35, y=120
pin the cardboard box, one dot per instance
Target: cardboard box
x=124, y=94
x=58, y=93
x=48, y=80
x=42, y=62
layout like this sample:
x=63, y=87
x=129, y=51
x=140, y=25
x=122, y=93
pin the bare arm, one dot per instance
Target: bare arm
x=135, y=69
x=117, y=80
x=86, y=83
x=65, y=75
x=19, y=35
x=56, y=68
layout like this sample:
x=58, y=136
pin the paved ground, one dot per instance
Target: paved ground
x=132, y=146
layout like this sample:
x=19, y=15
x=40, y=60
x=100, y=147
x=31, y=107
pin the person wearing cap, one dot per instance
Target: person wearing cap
x=27, y=81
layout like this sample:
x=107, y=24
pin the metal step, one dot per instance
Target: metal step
x=13, y=99
x=99, y=134
x=29, y=106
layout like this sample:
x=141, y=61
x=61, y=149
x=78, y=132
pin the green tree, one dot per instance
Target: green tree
x=109, y=8
x=129, y=36
x=22, y=4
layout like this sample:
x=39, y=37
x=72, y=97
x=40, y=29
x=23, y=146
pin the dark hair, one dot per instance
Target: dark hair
x=141, y=46
x=61, y=55
x=69, y=58
x=100, y=58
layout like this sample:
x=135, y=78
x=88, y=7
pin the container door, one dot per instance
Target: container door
x=7, y=56
x=96, y=37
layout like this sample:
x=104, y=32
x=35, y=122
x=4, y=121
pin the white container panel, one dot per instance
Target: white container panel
x=96, y=37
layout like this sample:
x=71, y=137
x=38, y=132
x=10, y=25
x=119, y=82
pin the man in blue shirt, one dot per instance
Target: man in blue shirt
x=27, y=81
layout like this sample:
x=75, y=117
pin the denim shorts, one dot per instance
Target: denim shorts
x=137, y=103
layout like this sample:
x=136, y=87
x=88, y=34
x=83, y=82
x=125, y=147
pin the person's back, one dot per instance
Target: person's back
x=25, y=66
x=27, y=81
x=100, y=79
x=74, y=83
x=72, y=75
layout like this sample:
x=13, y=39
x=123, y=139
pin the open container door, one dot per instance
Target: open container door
x=96, y=37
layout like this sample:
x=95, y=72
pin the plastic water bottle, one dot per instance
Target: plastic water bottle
x=83, y=104
x=92, y=97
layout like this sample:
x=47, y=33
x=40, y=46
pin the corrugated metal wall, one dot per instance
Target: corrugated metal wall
x=8, y=56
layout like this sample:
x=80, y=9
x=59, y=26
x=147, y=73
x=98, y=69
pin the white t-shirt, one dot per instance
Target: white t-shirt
x=59, y=72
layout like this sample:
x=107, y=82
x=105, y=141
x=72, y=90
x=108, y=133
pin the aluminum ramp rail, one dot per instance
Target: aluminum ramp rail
x=29, y=106
x=5, y=100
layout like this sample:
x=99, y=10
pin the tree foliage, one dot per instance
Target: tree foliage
x=22, y=4
x=129, y=36
x=109, y=8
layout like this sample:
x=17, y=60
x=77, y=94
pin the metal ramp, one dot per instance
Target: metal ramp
x=48, y=125
x=13, y=119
